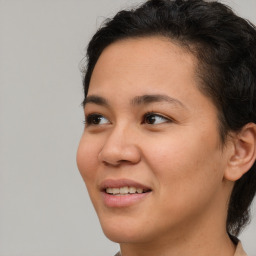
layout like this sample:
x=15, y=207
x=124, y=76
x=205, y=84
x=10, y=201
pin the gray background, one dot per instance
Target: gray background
x=45, y=209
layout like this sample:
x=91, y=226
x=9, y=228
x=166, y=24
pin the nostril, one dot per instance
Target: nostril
x=111, y=164
x=116, y=151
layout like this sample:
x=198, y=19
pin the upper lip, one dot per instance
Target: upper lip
x=112, y=183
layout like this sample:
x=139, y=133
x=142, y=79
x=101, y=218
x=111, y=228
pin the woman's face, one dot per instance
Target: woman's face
x=150, y=154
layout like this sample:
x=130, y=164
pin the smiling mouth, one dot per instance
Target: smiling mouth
x=122, y=191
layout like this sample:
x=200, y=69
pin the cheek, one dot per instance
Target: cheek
x=186, y=166
x=87, y=159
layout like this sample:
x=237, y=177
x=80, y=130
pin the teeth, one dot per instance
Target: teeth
x=124, y=190
x=115, y=190
x=109, y=190
x=139, y=190
x=132, y=190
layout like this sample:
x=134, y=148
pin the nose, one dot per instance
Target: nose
x=120, y=147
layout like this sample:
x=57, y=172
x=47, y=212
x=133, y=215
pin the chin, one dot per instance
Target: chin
x=122, y=231
x=119, y=237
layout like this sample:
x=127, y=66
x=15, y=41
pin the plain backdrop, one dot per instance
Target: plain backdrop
x=45, y=209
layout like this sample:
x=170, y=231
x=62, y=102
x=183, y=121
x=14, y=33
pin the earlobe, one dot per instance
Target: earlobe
x=243, y=154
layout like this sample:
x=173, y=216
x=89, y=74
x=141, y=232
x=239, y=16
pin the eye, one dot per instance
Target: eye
x=96, y=119
x=153, y=118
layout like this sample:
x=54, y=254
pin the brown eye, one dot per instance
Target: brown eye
x=152, y=118
x=96, y=119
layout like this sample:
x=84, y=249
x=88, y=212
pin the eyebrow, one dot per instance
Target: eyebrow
x=151, y=98
x=94, y=99
x=138, y=100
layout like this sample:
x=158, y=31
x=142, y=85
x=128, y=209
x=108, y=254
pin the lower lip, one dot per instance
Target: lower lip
x=123, y=200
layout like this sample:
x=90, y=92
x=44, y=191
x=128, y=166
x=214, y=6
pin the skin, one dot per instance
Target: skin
x=178, y=155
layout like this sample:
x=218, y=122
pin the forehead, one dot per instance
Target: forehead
x=149, y=65
x=153, y=47
x=137, y=56
x=143, y=61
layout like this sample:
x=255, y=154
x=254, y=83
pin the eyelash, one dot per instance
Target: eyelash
x=151, y=114
x=90, y=119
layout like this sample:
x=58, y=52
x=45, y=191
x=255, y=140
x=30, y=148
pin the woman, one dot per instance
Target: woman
x=169, y=146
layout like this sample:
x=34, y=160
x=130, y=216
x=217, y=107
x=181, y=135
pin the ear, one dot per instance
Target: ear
x=243, y=153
